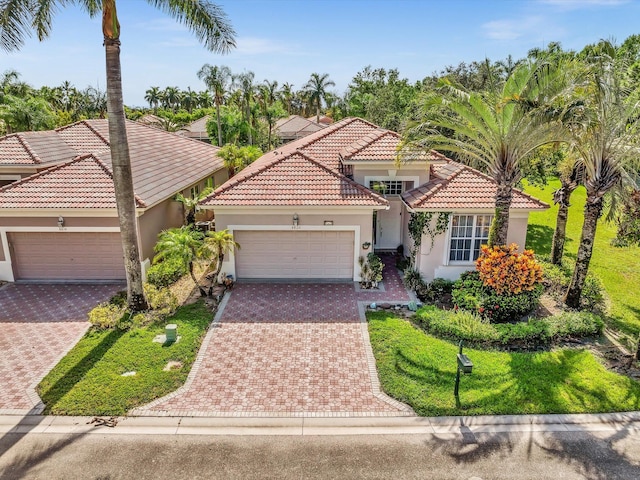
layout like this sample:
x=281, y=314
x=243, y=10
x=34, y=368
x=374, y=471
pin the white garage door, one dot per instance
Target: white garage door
x=66, y=256
x=294, y=254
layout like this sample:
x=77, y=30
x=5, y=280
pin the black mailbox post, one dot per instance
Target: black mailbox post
x=465, y=365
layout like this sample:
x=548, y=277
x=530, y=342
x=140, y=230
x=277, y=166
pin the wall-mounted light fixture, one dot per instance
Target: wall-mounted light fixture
x=328, y=222
x=295, y=219
x=60, y=222
x=366, y=245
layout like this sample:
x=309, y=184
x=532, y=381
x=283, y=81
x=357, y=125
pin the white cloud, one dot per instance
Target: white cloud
x=161, y=25
x=511, y=29
x=579, y=4
x=258, y=46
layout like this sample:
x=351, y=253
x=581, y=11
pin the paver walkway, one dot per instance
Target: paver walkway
x=288, y=349
x=40, y=323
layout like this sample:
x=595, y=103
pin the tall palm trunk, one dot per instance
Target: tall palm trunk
x=562, y=197
x=219, y=123
x=203, y=292
x=500, y=224
x=249, y=122
x=592, y=211
x=318, y=111
x=121, y=163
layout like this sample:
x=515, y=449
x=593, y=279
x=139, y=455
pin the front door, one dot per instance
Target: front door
x=388, y=226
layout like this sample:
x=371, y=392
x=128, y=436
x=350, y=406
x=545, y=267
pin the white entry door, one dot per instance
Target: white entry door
x=388, y=233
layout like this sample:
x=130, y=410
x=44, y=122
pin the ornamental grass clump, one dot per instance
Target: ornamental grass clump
x=506, y=271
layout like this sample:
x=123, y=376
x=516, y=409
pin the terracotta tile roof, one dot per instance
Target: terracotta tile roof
x=34, y=148
x=295, y=180
x=162, y=163
x=453, y=186
x=82, y=183
x=380, y=145
x=295, y=126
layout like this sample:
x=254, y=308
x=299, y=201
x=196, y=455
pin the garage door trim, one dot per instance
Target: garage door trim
x=231, y=265
x=6, y=269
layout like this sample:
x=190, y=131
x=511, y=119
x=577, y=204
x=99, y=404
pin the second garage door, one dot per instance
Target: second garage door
x=66, y=256
x=294, y=254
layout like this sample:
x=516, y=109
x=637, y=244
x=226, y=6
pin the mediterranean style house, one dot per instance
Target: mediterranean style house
x=58, y=218
x=312, y=207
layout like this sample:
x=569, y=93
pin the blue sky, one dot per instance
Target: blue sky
x=287, y=40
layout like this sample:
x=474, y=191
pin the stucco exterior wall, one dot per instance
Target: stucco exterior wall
x=434, y=262
x=363, y=223
x=2, y=255
x=389, y=170
x=167, y=214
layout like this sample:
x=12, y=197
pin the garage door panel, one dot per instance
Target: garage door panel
x=295, y=254
x=67, y=255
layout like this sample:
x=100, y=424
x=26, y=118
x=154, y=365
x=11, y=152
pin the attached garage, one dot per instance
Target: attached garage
x=66, y=256
x=294, y=254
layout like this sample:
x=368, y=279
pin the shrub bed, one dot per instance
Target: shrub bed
x=167, y=272
x=556, y=279
x=469, y=293
x=467, y=326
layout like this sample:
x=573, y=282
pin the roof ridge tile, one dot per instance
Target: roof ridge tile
x=27, y=147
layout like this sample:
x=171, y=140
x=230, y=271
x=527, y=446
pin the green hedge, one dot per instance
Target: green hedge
x=464, y=325
x=166, y=272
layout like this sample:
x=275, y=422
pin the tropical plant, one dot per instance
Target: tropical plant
x=153, y=95
x=316, y=90
x=244, y=83
x=181, y=244
x=236, y=158
x=505, y=270
x=206, y=20
x=497, y=129
x=607, y=148
x=217, y=81
x=218, y=244
x=190, y=204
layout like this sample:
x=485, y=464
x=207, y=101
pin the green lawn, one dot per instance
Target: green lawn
x=419, y=370
x=618, y=268
x=89, y=381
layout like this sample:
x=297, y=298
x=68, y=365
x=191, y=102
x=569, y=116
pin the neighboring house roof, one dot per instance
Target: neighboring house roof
x=34, y=148
x=454, y=186
x=324, y=119
x=151, y=119
x=196, y=129
x=295, y=180
x=295, y=126
x=85, y=182
x=162, y=164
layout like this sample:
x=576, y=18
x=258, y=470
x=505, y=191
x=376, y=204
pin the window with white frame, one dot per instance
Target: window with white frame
x=195, y=191
x=387, y=187
x=468, y=233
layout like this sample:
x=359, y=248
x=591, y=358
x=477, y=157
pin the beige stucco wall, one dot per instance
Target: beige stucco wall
x=389, y=170
x=2, y=256
x=433, y=262
x=364, y=222
x=167, y=214
x=52, y=221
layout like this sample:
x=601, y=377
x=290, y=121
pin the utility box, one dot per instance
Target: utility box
x=171, y=332
x=464, y=363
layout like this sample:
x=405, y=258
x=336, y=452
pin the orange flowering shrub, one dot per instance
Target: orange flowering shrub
x=507, y=271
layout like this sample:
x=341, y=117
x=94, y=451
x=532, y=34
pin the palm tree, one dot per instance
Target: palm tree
x=497, y=129
x=189, y=99
x=204, y=99
x=217, y=81
x=182, y=243
x=206, y=20
x=607, y=151
x=570, y=174
x=219, y=243
x=271, y=111
x=190, y=204
x=316, y=89
x=286, y=95
x=244, y=83
x=171, y=98
x=153, y=96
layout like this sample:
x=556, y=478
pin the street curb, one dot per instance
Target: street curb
x=297, y=426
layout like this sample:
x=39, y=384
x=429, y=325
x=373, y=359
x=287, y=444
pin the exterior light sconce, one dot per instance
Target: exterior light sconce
x=328, y=222
x=366, y=245
x=60, y=222
x=295, y=219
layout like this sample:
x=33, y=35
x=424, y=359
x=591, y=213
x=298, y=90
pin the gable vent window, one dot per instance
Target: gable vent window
x=387, y=187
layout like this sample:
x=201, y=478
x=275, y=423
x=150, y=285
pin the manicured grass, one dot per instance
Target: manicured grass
x=89, y=381
x=618, y=268
x=419, y=370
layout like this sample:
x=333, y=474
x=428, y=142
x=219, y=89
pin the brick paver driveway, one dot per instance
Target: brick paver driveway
x=40, y=323
x=287, y=349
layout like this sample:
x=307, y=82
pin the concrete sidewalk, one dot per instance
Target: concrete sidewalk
x=467, y=426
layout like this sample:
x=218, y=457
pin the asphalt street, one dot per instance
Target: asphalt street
x=598, y=454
